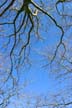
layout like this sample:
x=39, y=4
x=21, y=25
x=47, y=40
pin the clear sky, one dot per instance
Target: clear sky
x=35, y=77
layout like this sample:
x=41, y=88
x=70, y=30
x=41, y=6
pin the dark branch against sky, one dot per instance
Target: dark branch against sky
x=35, y=52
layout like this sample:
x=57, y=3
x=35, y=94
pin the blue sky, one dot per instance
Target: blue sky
x=34, y=77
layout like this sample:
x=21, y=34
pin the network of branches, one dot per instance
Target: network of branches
x=28, y=16
x=20, y=20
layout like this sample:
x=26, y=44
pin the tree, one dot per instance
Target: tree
x=21, y=23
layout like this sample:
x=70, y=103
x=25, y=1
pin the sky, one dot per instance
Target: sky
x=37, y=78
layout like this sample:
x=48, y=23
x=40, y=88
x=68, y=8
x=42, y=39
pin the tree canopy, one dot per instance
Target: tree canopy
x=32, y=32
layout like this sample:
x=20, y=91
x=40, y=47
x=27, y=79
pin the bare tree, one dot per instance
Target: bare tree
x=20, y=23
